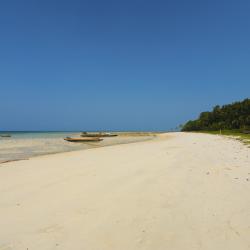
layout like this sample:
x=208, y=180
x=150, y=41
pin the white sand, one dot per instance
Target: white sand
x=182, y=191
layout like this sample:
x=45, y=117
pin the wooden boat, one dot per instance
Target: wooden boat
x=83, y=139
x=246, y=132
x=100, y=134
x=5, y=135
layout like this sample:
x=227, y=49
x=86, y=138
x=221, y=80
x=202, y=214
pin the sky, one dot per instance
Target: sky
x=120, y=65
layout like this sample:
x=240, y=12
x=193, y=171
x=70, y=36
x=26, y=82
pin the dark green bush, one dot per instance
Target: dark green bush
x=231, y=116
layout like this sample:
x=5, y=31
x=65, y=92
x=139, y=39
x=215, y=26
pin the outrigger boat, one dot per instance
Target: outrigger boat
x=5, y=135
x=100, y=134
x=83, y=139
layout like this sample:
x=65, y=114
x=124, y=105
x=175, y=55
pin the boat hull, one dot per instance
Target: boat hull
x=98, y=135
x=88, y=139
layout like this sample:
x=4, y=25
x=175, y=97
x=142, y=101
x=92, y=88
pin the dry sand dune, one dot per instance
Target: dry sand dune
x=180, y=191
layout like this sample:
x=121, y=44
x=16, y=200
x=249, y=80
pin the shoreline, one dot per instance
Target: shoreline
x=137, y=136
x=179, y=190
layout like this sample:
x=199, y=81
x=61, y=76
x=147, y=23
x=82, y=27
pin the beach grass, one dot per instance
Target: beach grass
x=238, y=135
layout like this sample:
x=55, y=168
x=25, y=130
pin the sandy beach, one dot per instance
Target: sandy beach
x=177, y=191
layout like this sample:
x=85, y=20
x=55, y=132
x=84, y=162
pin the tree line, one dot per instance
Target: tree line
x=230, y=116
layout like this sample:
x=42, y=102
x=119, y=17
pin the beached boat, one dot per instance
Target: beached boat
x=83, y=139
x=246, y=132
x=100, y=134
x=5, y=135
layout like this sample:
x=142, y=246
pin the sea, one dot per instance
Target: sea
x=24, y=145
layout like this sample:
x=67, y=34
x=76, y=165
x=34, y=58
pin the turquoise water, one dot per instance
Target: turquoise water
x=23, y=145
x=38, y=134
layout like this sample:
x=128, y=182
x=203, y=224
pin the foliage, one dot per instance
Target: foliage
x=245, y=138
x=235, y=116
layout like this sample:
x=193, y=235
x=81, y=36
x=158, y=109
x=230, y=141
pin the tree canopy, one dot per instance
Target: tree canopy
x=230, y=116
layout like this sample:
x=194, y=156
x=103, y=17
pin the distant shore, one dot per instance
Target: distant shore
x=179, y=191
x=24, y=145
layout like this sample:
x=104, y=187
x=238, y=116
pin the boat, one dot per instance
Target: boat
x=83, y=139
x=246, y=131
x=100, y=134
x=5, y=135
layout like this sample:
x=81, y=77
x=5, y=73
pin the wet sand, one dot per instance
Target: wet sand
x=26, y=145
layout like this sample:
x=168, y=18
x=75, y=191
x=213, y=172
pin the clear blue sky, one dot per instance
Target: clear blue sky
x=141, y=65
